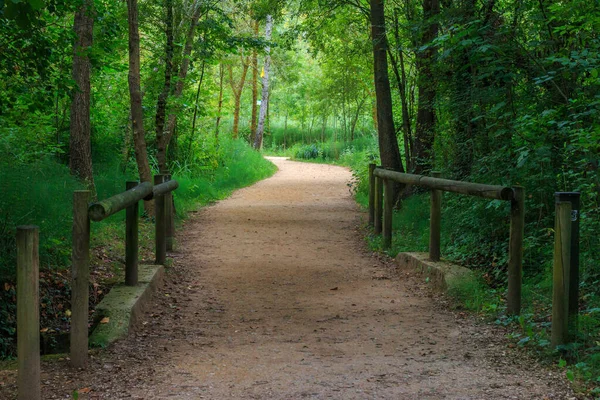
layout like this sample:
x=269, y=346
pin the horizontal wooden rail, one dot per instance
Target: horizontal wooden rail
x=379, y=178
x=165, y=188
x=105, y=208
x=468, y=188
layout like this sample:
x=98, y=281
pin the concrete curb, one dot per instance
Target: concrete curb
x=443, y=275
x=124, y=305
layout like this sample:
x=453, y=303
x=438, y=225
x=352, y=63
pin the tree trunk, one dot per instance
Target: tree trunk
x=80, y=160
x=388, y=143
x=237, y=90
x=193, y=132
x=163, y=138
x=260, y=129
x=161, y=105
x=285, y=128
x=402, y=91
x=425, y=132
x=135, y=95
x=354, y=121
x=254, y=87
x=220, y=102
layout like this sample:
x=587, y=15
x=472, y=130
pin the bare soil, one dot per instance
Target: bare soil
x=274, y=295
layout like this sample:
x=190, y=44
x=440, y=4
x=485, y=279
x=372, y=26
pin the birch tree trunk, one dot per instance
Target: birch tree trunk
x=262, y=115
x=80, y=159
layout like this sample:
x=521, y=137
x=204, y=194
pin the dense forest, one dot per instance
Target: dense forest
x=490, y=91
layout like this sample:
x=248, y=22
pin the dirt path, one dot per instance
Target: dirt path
x=273, y=296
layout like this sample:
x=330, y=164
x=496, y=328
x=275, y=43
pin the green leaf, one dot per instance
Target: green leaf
x=570, y=375
x=562, y=363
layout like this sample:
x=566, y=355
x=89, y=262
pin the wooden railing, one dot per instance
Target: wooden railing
x=381, y=217
x=28, y=322
x=83, y=212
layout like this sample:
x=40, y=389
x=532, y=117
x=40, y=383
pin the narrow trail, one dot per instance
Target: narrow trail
x=274, y=296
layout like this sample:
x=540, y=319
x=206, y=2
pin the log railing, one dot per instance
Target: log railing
x=83, y=212
x=380, y=217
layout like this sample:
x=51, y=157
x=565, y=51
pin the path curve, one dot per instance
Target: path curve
x=274, y=296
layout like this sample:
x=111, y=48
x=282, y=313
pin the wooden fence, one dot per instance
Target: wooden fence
x=28, y=331
x=82, y=214
x=381, y=217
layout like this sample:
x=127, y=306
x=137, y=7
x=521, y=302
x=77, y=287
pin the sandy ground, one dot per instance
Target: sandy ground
x=273, y=295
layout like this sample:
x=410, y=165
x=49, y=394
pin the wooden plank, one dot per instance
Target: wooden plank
x=560, y=274
x=80, y=273
x=131, y=240
x=28, y=314
x=468, y=188
x=105, y=208
x=435, y=219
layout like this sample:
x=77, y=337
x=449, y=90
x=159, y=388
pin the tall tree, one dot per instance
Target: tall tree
x=388, y=143
x=254, y=86
x=135, y=96
x=264, y=105
x=220, y=99
x=237, y=88
x=425, y=130
x=161, y=106
x=164, y=137
x=80, y=159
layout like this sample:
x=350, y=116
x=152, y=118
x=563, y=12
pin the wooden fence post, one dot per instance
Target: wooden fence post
x=28, y=314
x=371, y=194
x=435, y=221
x=575, y=199
x=159, y=209
x=169, y=219
x=80, y=279
x=560, y=275
x=515, y=251
x=131, y=240
x=377, y=227
x=388, y=208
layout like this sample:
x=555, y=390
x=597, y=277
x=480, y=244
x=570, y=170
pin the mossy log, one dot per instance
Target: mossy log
x=165, y=188
x=105, y=208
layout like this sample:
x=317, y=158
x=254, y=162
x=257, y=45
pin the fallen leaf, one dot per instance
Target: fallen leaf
x=6, y=287
x=43, y=330
x=68, y=313
x=335, y=288
x=105, y=320
x=84, y=390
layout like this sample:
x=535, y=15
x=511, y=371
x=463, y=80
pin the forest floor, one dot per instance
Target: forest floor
x=273, y=294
